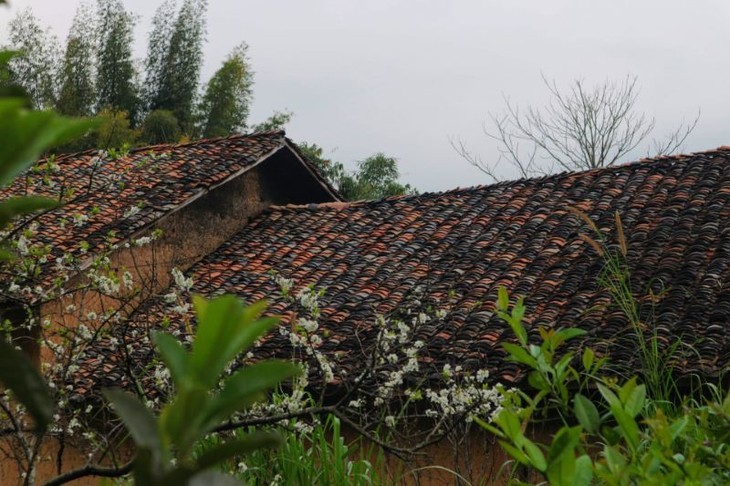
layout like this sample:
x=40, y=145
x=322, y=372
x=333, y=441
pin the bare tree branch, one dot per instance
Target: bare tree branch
x=580, y=128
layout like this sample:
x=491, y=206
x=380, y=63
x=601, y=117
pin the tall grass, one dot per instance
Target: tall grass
x=615, y=277
x=319, y=455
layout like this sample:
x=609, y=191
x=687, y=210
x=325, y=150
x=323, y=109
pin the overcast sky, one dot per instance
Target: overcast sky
x=402, y=77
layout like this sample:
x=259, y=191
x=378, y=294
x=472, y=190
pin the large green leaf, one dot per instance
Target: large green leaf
x=225, y=328
x=19, y=375
x=27, y=134
x=587, y=413
x=634, y=403
x=245, y=387
x=564, y=443
x=18, y=206
x=518, y=354
x=181, y=421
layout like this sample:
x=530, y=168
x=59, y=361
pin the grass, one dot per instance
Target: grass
x=320, y=455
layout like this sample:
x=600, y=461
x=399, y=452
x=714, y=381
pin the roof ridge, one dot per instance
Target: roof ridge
x=632, y=165
x=276, y=133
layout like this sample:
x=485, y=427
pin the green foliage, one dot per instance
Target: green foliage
x=331, y=169
x=160, y=126
x=166, y=443
x=619, y=439
x=376, y=177
x=18, y=374
x=316, y=454
x=115, y=81
x=77, y=96
x=158, y=45
x=277, y=121
x=114, y=130
x=225, y=105
x=36, y=68
x=181, y=61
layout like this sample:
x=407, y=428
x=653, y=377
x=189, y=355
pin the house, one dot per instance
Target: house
x=460, y=246
x=269, y=216
x=185, y=200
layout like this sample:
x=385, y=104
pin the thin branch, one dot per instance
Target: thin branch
x=92, y=470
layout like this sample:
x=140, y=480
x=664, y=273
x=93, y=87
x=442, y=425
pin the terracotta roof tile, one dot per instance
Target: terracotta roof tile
x=369, y=256
x=130, y=192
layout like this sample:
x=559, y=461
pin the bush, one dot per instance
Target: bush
x=160, y=126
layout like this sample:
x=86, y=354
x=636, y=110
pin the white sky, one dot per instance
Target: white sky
x=403, y=76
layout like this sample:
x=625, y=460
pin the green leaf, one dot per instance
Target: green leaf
x=570, y=333
x=588, y=359
x=564, y=442
x=628, y=426
x=18, y=206
x=19, y=375
x=228, y=450
x=583, y=471
x=244, y=388
x=502, y=299
x=510, y=425
x=537, y=458
x=27, y=134
x=518, y=354
x=517, y=454
x=608, y=395
x=614, y=459
x=225, y=328
x=181, y=420
x=173, y=354
x=139, y=421
x=634, y=403
x=489, y=428
x=587, y=414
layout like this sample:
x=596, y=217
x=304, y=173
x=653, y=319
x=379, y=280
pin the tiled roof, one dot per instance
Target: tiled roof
x=124, y=194
x=462, y=245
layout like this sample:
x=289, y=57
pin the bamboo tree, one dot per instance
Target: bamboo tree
x=77, y=97
x=180, y=70
x=158, y=46
x=116, y=73
x=225, y=104
x=35, y=70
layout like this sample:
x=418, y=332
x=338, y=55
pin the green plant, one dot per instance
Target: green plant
x=313, y=454
x=618, y=440
x=165, y=444
x=615, y=277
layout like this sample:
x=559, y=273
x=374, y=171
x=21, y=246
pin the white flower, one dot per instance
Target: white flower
x=131, y=212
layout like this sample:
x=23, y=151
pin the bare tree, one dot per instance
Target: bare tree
x=580, y=128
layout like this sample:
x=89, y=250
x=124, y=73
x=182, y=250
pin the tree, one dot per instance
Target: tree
x=178, y=83
x=114, y=130
x=160, y=126
x=225, y=105
x=35, y=70
x=376, y=177
x=158, y=46
x=332, y=170
x=277, y=121
x=77, y=96
x=115, y=72
x=581, y=128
